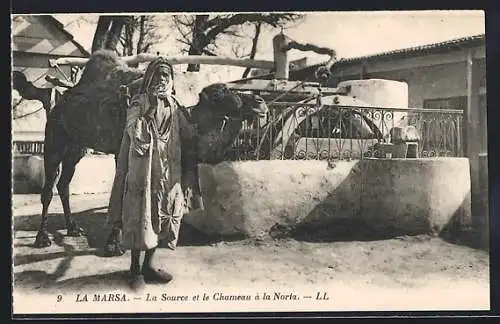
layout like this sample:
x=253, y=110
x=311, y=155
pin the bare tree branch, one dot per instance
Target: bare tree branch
x=199, y=41
x=183, y=41
x=108, y=32
x=140, y=41
x=255, y=42
x=137, y=33
x=274, y=20
x=202, y=32
x=100, y=33
x=232, y=33
x=209, y=53
x=146, y=47
x=115, y=31
x=179, y=21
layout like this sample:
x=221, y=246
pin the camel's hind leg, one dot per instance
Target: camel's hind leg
x=69, y=162
x=52, y=159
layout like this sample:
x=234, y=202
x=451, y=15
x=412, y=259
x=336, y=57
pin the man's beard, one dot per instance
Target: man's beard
x=161, y=90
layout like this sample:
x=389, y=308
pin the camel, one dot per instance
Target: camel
x=92, y=115
x=47, y=96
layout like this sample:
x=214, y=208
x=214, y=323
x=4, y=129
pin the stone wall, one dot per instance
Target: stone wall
x=382, y=197
x=94, y=174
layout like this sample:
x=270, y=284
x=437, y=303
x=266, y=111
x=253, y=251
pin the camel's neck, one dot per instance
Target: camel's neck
x=213, y=145
x=228, y=131
x=232, y=127
x=30, y=92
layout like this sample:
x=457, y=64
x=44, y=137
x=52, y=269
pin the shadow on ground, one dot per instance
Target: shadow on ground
x=93, y=221
x=33, y=280
x=30, y=280
x=348, y=230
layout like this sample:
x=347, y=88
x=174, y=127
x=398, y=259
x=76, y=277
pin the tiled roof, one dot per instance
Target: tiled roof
x=447, y=45
x=62, y=29
x=29, y=36
x=456, y=44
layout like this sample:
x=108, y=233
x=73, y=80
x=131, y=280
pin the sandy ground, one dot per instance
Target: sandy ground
x=419, y=272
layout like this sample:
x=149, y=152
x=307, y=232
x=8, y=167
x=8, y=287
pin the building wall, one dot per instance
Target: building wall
x=440, y=81
x=35, y=40
x=439, y=76
x=36, y=66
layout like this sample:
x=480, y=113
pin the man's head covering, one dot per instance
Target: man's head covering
x=152, y=68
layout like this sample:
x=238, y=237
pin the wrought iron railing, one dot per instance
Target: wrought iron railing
x=28, y=147
x=306, y=131
x=35, y=148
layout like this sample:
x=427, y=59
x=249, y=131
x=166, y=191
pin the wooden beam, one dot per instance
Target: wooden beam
x=285, y=86
x=269, y=86
x=472, y=109
x=362, y=72
x=472, y=139
x=174, y=60
x=467, y=121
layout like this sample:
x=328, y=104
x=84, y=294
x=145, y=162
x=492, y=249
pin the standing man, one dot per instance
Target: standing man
x=149, y=195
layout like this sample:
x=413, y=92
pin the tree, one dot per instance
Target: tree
x=255, y=41
x=139, y=34
x=201, y=33
x=108, y=32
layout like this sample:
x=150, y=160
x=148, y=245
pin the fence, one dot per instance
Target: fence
x=28, y=147
x=305, y=131
x=35, y=148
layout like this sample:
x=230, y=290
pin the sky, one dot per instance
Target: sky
x=351, y=34
x=357, y=33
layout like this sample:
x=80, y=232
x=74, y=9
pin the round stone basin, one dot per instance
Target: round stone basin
x=386, y=196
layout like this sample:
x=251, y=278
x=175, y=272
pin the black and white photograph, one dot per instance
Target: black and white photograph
x=228, y=162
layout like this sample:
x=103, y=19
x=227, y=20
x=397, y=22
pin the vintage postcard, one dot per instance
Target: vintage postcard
x=249, y=162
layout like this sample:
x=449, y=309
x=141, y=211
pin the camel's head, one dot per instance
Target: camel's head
x=19, y=81
x=225, y=102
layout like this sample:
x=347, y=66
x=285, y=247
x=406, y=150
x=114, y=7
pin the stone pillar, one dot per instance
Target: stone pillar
x=281, y=57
